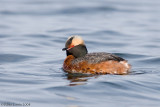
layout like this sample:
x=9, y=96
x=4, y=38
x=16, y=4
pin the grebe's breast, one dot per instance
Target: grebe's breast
x=94, y=58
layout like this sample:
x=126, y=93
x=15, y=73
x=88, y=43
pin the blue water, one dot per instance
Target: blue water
x=33, y=32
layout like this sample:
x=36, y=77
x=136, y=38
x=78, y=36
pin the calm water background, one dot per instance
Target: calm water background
x=33, y=32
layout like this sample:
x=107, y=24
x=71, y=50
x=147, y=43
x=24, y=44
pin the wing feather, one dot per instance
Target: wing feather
x=98, y=57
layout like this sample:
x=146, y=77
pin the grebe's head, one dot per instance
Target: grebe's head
x=75, y=46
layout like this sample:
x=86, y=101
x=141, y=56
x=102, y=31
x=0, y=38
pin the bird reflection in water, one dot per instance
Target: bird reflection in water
x=78, y=78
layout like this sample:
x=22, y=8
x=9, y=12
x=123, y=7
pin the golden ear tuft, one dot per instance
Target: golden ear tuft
x=77, y=40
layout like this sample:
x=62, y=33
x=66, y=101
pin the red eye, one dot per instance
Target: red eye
x=72, y=46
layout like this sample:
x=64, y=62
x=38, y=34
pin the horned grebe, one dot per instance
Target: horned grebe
x=80, y=61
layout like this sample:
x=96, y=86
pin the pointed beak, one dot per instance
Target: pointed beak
x=64, y=49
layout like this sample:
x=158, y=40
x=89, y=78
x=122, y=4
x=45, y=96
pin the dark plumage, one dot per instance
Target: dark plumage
x=77, y=51
x=97, y=57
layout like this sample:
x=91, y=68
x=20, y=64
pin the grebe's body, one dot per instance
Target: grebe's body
x=80, y=61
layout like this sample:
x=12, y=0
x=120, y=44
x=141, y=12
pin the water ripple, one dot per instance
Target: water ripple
x=9, y=58
x=32, y=34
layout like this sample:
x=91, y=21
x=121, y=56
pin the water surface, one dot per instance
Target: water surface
x=32, y=34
